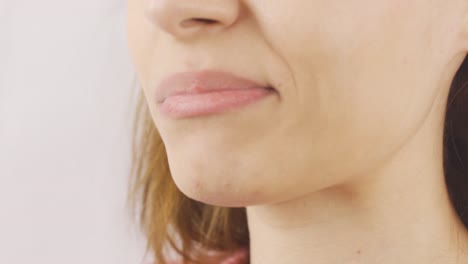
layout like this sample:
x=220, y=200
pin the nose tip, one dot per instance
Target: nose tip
x=183, y=18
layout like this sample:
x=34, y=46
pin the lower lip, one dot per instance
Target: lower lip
x=209, y=103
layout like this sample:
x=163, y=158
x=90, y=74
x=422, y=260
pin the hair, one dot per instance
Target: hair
x=172, y=221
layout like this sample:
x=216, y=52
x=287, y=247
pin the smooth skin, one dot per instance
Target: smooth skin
x=344, y=163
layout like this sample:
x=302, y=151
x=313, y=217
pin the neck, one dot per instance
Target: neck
x=399, y=213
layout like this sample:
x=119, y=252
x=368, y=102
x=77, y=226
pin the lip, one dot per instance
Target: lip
x=202, y=82
x=188, y=94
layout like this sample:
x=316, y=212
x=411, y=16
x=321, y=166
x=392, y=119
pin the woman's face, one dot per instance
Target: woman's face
x=353, y=80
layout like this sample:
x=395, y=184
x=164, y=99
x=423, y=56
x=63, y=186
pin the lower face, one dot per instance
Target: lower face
x=353, y=81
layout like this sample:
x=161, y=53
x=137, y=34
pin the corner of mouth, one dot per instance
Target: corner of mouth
x=272, y=89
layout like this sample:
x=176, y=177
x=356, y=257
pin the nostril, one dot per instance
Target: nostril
x=205, y=20
x=195, y=21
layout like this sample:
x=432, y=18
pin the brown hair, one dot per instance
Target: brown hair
x=171, y=220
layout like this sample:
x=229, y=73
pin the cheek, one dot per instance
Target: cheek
x=350, y=57
x=142, y=44
x=323, y=27
x=136, y=36
x=362, y=75
x=141, y=40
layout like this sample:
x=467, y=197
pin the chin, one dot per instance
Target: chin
x=210, y=188
x=221, y=200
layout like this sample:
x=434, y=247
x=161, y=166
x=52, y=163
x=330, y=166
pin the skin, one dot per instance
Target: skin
x=344, y=163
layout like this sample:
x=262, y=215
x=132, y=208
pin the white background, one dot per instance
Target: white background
x=65, y=118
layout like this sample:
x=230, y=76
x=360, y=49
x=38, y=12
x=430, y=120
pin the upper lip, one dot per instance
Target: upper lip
x=202, y=82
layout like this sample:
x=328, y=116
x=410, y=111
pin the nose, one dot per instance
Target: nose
x=184, y=18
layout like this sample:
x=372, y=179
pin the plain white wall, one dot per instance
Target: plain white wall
x=65, y=83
